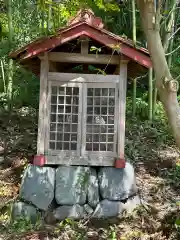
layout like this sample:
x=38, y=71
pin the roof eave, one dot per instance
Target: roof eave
x=78, y=29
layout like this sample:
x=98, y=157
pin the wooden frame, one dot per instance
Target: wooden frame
x=99, y=154
x=76, y=161
x=122, y=108
x=76, y=77
x=83, y=58
x=43, y=115
x=83, y=157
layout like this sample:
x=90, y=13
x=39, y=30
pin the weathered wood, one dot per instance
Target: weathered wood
x=84, y=45
x=122, y=108
x=83, y=58
x=76, y=77
x=83, y=161
x=84, y=117
x=48, y=112
x=42, y=105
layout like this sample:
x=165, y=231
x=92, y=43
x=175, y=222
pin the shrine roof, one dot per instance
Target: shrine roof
x=85, y=23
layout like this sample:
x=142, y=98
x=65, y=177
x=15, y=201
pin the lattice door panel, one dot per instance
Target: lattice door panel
x=65, y=111
x=101, y=118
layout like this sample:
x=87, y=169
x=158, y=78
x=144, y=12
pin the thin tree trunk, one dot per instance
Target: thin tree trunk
x=43, y=22
x=49, y=21
x=10, y=68
x=134, y=97
x=134, y=21
x=167, y=88
x=154, y=100
x=150, y=102
x=3, y=76
x=134, y=41
x=167, y=44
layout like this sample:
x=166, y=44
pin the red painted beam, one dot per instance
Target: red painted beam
x=39, y=160
x=96, y=34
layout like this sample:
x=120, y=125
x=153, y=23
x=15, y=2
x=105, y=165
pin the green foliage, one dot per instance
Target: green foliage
x=155, y=134
x=177, y=223
x=174, y=175
x=112, y=233
x=24, y=225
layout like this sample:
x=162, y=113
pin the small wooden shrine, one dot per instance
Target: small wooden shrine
x=83, y=72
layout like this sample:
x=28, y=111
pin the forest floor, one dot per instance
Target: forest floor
x=158, y=179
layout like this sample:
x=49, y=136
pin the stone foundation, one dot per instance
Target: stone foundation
x=76, y=192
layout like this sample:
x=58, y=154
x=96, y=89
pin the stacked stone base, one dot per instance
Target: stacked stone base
x=76, y=193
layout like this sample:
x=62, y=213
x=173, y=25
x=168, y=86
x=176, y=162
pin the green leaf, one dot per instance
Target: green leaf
x=93, y=48
x=177, y=222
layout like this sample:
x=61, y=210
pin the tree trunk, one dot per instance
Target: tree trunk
x=49, y=20
x=10, y=67
x=150, y=102
x=134, y=21
x=134, y=41
x=3, y=75
x=134, y=97
x=154, y=100
x=167, y=88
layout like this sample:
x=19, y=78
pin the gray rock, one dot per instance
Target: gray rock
x=48, y=215
x=73, y=212
x=37, y=186
x=71, y=185
x=117, y=184
x=21, y=210
x=88, y=209
x=131, y=204
x=1, y=150
x=106, y=209
x=93, y=189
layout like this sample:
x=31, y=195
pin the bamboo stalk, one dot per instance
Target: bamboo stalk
x=3, y=76
x=150, y=102
x=134, y=97
x=134, y=41
x=134, y=21
x=10, y=67
x=154, y=102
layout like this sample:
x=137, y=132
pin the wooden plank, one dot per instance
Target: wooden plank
x=116, y=118
x=48, y=112
x=43, y=120
x=122, y=108
x=79, y=130
x=83, y=161
x=84, y=115
x=84, y=45
x=83, y=58
x=76, y=77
